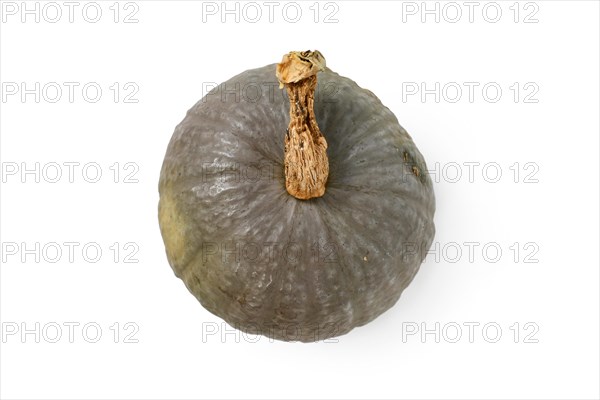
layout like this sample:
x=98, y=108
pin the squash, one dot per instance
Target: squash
x=295, y=219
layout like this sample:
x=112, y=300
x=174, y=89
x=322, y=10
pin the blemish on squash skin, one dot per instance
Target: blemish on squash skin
x=241, y=299
x=416, y=171
x=172, y=229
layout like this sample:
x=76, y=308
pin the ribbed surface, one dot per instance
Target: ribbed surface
x=287, y=268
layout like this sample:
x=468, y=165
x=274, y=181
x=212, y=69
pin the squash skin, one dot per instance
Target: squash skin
x=268, y=263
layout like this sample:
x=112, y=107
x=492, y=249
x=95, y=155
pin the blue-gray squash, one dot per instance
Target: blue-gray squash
x=296, y=219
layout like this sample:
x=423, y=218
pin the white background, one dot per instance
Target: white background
x=550, y=209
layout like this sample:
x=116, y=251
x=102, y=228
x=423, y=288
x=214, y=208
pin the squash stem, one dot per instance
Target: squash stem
x=305, y=159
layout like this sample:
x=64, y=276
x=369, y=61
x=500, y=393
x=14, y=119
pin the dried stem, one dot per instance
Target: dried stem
x=305, y=159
